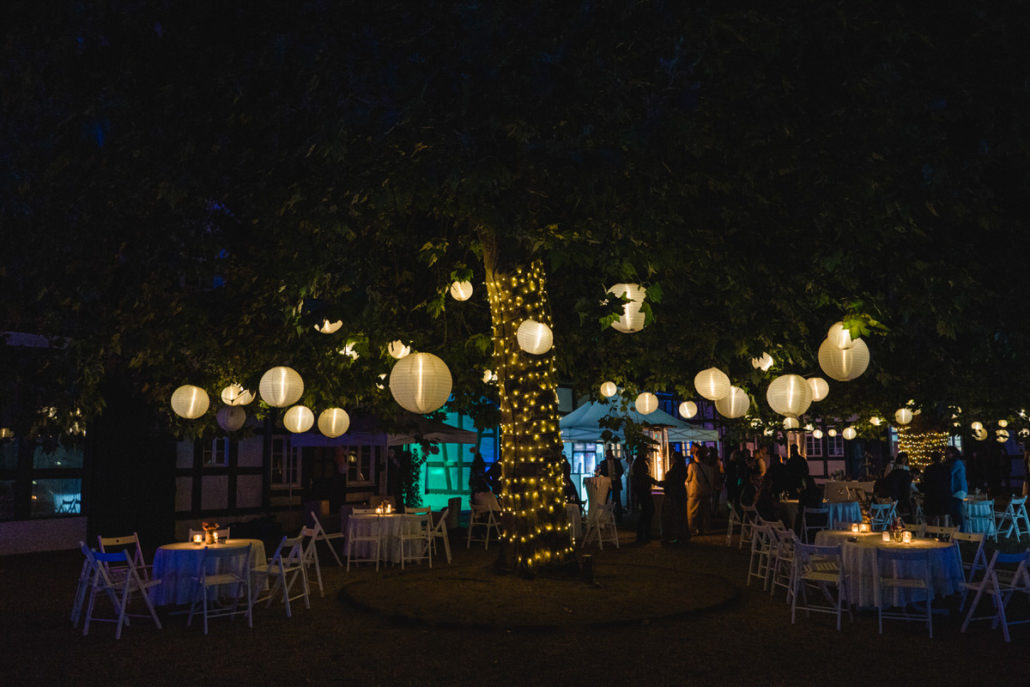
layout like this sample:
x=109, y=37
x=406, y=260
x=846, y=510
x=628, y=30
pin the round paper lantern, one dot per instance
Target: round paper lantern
x=849, y=433
x=281, y=386
x=980, y=434
x=831, y=432
x=817, y=433
x=839, y=336
x=298, y=419
x=735, y=404
x=1003, y=423
x=420, y=382
x=608, y=389
x=789, y=395
x=534, y=337
x=903, y=416
x=333, y=422
x=231, y=418
x=688, y=409
x=976, y=426
x=461, y=290
x=489, y=376
x=328, y=327
x=397, y=349
x=763, y=363
x=646, y=403
x=843, y=364
x=791, y=423
x=820, y=388
x=712, y=384
x=1024, y=433
x=875, y=421
x=236, y=395
x=1001, y=436
x=632, y=319
x=189, y=401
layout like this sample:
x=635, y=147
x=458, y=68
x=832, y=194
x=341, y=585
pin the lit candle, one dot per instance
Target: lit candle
x=906, y=537
x=864, y=527
x=886, y=535
x=214, y=536
x=854, y=527
x=198, y=539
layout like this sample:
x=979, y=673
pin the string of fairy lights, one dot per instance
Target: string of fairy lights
x=920, y=445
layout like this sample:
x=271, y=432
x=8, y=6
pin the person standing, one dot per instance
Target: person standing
x=936, y=487
x=641, y=483
x=611, y=468
x=674, y=506
x=959, y=486
x=699, y=493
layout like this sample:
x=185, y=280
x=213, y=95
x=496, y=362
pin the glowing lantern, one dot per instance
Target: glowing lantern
x=236, y=395
x=534, y=337
x=333, y=422
x=397, y=349
x=840, y=337
x=688, y=409
x=831, y=432
x=298, y=419
x=189, y=401
x=820, y=388
x=632, y=319
x=875, y=421
x=849, y=433
x=903, y=416
x=646, y=403
x=608, y=389
x=735, y=404
x=381, y=384
x=791, y=423
x=281, y=386
x=817, y=433
x=712, y=383
x=350, y=350
x=420, y=382
x=843, y=364
x=328, y=327
x=1003, y=423
x=789, y=395
x=1024, y=433
x=461, y=290
x=980, y=434
x=231, y=418
x=763, y=363
x=1001, y=436
x=976, y=426
x=489, y=376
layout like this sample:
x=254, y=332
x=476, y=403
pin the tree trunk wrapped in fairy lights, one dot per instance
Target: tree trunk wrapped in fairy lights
x=535, y=528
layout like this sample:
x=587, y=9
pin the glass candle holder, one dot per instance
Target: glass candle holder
x=906, y=537
x=198, y=539
x=854, y=527
x=214, y=537
x=886, y=535
x=864, y=527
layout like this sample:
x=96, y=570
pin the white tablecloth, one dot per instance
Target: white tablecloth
x=843, y=513
x=861, y=571
x=979, y=516
x=575, y=519
x=845, y=491
x=176, y=564
x=389, y=528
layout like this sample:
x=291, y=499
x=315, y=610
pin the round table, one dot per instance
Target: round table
x=388, y=527
x=176, y=564
x=843, y=513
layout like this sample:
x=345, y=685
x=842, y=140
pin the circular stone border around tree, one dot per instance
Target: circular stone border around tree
x=477, y=596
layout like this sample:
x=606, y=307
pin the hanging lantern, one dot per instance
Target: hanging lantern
x=534, y=337
x=632, y=319
x=1024, y=433
x=1001, y=436
x=236, y=395
x=298, y=419
x=333, y=422
x=820, y=388
x=791, y=423
x=875, y=421
x=843, y=364
x=903, y=416
x=231, y=418
x=350, y=350
x=489, y=376
x=646, y=403
x=849, y=433
x=328, y=327
x=840, y=337
x=461, y=290
x=976, y=426
x=189, y=401
x=608, y=389
x=735, y=404
x=381, y=384
x=980, y=434
x=763, y=363
x=817, y=433
x=831, y=432
x=281, y=386
x=712, y=384
x=397, y=349
x=420, y=382
x=789, y=395
x=688, y=409
x=1003, y=423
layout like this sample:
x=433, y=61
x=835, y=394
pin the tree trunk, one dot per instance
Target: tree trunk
x=535, y=528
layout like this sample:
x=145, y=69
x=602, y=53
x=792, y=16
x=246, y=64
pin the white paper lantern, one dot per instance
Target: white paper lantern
x=489, y=376
x=1001, y=436
x=735, y=404
x=333, y=422
x=763, y=363
x=534, y=337
x=608, y=389
x=875, y=421
x=903, y=416
x=791, y=423
x=1003, y=423
x=397, y=349
x=976, y=426
x=980, y=434
x=843, y=364
x=189, y=401
x=281, y=386
x=831, y=432
x=632, y=319
x=327, y=327
x=817, y=433
x=461, y=290
x=839, y=336
x=236, y=395
x=820, y=388
x=646, y=403
x=298, y=419
x=231, y=418
x=712, y=384
x=688, y=409
x=849, y=433
x=420, y=382
x=789, y=395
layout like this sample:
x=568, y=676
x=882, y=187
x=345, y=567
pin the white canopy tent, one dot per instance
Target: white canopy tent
x=582, y=423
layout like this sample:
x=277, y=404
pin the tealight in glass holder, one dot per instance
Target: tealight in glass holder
x=886, y=535
x=906, y=537
x=198, y=539
x=863, y=527
x=854, y=527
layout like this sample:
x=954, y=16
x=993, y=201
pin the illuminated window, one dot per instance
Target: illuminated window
x=216, y=452
x=285, y=462
x=814, y=447
x=835, y=446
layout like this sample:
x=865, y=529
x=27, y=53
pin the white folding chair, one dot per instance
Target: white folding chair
x=974, y=560
x=222, y=571
x=979, y=517
x=130, y=544
x=748, y=521
x=813, y=520
x=328, y=537
x=762, y=543
x=601, y=525
x=119, y=591
x=1013, y=521
x=439, y=531
x=905, y=570
x=881, y=515
x=83, y=587
x=781, y=561
x=287, y=567
x=936, y=532
x=415, y=538
x=818, y=569
x=361, y=529
x=483, y=517
x=1000, y=583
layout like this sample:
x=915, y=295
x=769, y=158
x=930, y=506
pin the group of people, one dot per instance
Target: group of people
x=689, y=492
x=944, y=486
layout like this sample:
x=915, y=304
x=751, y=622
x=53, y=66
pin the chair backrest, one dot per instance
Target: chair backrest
x=813, y=558
x=129, y=543
x=908, y=564
x=440, y=528
x=486, y=498
x=289, y=552
x=939, y=532
x=974, y=559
